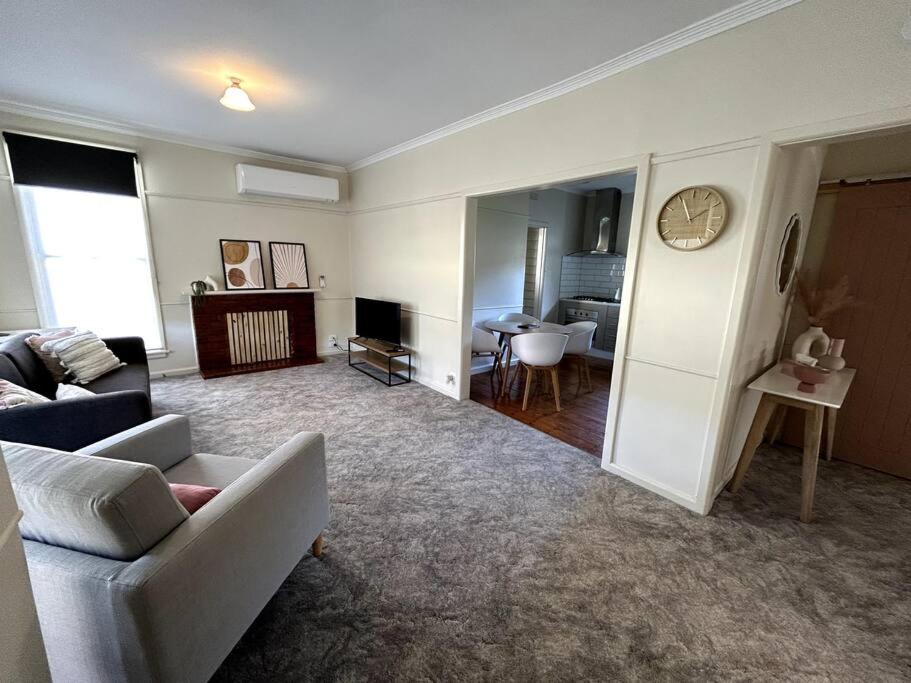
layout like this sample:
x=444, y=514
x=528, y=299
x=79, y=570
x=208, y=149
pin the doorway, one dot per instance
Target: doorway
x=541, y=257
x=860, y=241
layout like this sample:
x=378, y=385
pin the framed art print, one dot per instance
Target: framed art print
x=289, y=265
x=242, y=261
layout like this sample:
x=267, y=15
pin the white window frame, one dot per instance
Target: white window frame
x=26, y=221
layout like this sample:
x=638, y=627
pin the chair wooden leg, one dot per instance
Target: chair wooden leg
x=528, y=372
x=317, y=546
x=555, y=380
x=588, y=374
x=515, y=376
x=579, y=374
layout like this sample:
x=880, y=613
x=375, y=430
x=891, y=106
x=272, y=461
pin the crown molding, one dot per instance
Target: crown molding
x=706, y=28
x=135, y=130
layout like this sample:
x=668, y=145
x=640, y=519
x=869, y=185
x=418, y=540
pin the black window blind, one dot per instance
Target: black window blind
x=70, y=165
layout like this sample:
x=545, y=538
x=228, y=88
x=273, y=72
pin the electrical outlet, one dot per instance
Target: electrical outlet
x=333, y=341
x=450, y=378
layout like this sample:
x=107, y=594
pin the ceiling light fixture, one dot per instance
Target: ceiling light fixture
x=236, y=97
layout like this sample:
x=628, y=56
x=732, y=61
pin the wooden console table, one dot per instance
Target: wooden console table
x=380, y=356
x=242, y=331
x=779, y=390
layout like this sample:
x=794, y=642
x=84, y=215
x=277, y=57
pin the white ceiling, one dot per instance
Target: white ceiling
x=333, y=80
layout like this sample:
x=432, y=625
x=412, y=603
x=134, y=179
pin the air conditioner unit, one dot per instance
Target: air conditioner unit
x=275, y=183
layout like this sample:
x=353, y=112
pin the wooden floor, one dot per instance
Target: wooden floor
x=580, y=423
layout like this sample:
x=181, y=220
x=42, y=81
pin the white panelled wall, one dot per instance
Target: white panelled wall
x=693, y=326
x=709, y=114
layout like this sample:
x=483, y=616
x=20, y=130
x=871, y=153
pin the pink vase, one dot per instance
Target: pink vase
x=833, y=360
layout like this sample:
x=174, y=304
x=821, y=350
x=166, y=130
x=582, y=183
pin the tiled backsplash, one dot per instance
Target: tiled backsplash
x=593, y=275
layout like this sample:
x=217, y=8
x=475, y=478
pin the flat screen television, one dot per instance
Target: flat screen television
x=375, y=319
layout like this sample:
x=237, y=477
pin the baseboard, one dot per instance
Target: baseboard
x=447, y=390
x=329, y=351
x=689, y=502
x=174, y=372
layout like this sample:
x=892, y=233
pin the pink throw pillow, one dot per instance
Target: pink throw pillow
x=193, y=497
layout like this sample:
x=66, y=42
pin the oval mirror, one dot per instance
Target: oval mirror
x=787, y=254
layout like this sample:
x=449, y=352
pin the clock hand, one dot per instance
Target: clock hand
x=700, y=213
x=686, y=210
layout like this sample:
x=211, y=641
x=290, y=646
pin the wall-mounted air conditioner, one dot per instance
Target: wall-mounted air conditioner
x=275, y=183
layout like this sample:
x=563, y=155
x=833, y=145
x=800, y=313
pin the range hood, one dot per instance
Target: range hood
x=602, y=224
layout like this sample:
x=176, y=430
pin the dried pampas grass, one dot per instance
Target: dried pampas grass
x=822, y=304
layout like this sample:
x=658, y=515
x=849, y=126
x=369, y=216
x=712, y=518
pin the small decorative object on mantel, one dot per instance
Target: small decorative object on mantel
x=211, y=283
x=289, y=265
x=198, y=287
x=243, y=265
x=820, y=305
x=833, y=360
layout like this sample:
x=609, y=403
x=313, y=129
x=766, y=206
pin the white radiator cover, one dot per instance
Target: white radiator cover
x=275, y=183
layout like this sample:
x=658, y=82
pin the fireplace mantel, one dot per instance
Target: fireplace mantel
x=240, y=331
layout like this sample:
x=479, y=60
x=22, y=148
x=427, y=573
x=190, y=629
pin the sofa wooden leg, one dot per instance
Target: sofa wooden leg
x=317, y=546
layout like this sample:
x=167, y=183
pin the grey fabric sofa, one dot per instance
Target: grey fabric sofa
x=128, y=586
x=123, y=397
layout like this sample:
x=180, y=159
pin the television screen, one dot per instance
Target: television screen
x=376, y=319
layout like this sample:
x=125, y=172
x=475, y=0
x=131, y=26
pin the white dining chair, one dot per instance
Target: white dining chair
x=580, y=343
x=515, y=318
x=484, y=343
x=518, y=318
x=540, y=352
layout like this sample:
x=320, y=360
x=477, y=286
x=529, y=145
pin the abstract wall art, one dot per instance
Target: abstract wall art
x=289, y=265
x=243, y=264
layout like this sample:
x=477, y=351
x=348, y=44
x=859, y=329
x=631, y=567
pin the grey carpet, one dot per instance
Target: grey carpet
x=465, y=545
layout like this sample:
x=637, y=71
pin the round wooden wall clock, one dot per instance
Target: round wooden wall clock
x=692, y=218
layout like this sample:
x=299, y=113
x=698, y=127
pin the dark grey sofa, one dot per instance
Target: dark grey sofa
x=123, y=398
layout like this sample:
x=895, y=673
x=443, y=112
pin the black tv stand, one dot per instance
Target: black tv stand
x=381, y=356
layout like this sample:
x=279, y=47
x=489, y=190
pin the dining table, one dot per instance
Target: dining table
x=509, y=329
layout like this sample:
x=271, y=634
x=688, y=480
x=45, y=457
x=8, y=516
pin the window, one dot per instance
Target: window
x=86, y=229
x=91, y=262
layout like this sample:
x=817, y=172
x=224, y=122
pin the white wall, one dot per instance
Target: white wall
x=564, y=214
x=816, y=61
x=796, y=172
x=869, y=156
x=500, y=249
x=499, y=275
x=193, y=202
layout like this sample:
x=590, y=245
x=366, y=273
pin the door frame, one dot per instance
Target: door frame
x=641, y=165
x=822, y=132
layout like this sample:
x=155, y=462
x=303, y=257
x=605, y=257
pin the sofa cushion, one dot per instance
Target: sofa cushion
x=84, y=355
x=67, y=392
x=206, y=469
x=36, y=376
x=109, y=508
x=51, y=362
x=125, y=378
x=193, y=497
x=14, y=395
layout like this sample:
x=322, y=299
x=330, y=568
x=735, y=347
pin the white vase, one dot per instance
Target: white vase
x=814, y=342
